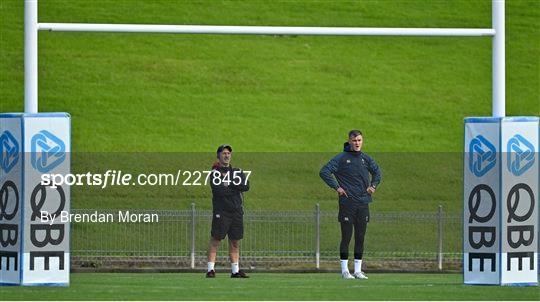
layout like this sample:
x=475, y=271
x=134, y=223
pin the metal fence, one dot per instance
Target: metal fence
x=299, y=239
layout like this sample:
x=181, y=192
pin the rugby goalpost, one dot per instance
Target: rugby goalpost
x=503, y=271
x=32, y=26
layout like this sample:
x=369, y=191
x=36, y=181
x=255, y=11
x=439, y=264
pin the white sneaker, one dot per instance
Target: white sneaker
x=347, y=275
x=359, y=275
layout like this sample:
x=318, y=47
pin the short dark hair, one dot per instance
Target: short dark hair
x=355, y=133
x=223, y=147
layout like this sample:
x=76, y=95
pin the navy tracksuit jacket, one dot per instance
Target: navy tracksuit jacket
x=352, y=171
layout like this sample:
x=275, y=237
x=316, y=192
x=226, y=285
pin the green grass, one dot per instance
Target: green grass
x=268, y=286
x=284, y=103
x=142, y=92
x=291, y=97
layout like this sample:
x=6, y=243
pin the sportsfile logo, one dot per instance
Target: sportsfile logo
x=482, y=156
x=9, y=151
x=520, y=155
x=48, y=151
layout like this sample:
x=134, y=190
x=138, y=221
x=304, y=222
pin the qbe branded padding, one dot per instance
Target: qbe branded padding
x=500, y=213
x=10, y=198
x=34, y=251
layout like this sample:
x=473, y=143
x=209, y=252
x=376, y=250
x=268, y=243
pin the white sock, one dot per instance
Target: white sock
x=235, y=267
x=211, y=265
x=344, y=266
x=357, y=265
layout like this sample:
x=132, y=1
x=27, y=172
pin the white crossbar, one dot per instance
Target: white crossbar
x=265, y=30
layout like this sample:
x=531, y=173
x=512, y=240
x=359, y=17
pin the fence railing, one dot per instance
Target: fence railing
x=304, y=239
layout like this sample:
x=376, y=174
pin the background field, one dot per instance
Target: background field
x=158, y=103
x=269, y=287
x=142, y=92
x=290, y=95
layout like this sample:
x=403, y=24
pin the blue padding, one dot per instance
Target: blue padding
x=521, y=119
x=10, y=115
x=482, y=119
x=520, y=284
x=47, y=114
x=44, y=114
x=482, y=284
x=46, y=284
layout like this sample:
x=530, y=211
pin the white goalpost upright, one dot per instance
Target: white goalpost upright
x=500, y=235
x=498, y=63
x=30, y=56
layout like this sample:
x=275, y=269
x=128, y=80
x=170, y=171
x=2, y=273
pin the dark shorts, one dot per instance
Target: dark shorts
x=353, y=213
x=227, y=224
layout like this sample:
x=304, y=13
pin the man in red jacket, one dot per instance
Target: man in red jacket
x=228, y=185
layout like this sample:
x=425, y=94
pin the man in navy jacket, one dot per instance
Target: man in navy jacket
x=349, y=174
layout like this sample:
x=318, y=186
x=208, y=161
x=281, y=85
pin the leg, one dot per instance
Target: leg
x=234, y=250
x=213, y=244
x=236, y=233
x=219, y=226
x=346, y=235
x=212, y=249
x=345, y=219
x=360, y=227
x=359, y=234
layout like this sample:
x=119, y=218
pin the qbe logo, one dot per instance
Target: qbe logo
x=482, y=234
x=520, y=155
x=520, y=230
x=9, y=232
x=48, y=151
x=47, y=236
x=9, y=151
x=482, y=156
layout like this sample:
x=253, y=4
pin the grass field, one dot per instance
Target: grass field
x=142, y=92
x=291, y=98
x=268, y=286
x=158, y=103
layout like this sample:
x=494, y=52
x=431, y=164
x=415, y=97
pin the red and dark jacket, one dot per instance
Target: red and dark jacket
x=227, y=196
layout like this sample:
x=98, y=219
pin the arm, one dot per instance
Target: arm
x=244, y=183
x=327, y=172
x=375, y=172
x=220, y=189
